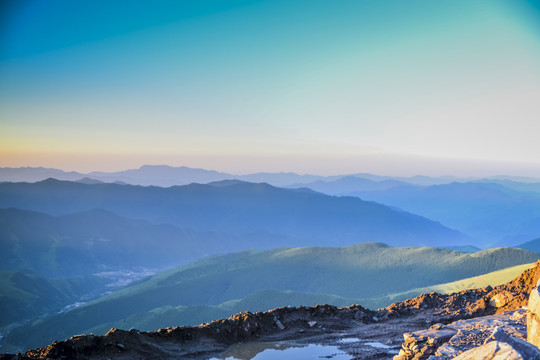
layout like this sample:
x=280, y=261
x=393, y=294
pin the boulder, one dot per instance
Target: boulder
x=524, y=348
x=533, y=316
x=501, y=299
x=494, y=350
x=501, y=346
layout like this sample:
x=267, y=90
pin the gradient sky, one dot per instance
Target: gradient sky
x=320, y=86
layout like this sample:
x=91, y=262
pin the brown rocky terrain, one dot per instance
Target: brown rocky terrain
x=430, y=322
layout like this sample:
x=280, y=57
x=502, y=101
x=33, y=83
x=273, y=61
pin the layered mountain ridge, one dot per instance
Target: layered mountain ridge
x=239, y=208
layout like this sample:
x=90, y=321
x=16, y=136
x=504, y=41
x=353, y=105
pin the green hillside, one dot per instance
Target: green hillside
x=193, y=315
x=220, y=285
x=24, y=296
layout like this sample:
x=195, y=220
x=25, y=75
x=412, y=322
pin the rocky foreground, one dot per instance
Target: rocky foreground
x=430, y=326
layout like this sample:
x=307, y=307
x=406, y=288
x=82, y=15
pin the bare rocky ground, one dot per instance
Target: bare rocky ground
x=328, y=325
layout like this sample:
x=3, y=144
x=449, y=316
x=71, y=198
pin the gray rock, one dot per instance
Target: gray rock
x=525, y=349
x=494, y=350
x=445, y=342
x=501, y=346
x=279, y=324
x=421, y=344
x=501, y=299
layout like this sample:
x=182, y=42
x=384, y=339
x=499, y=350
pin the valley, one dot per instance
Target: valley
x=114, y=255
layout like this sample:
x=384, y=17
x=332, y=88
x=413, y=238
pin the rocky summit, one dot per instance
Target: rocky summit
x=473, y=324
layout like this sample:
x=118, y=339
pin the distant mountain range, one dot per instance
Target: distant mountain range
x=533, y=245
x=152, y=175
x=259, y=280
x=494, y=211
x=163, y=175
x=488, y=211
x=350, y=185
x=259, y=211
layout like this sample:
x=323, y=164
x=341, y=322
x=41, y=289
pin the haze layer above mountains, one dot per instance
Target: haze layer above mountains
x=164, y=175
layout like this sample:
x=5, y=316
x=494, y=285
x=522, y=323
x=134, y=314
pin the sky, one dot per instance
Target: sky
x=392, y=87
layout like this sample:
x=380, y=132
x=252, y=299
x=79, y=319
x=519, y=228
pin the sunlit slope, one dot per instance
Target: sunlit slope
x=492, y=279
x=363, y=270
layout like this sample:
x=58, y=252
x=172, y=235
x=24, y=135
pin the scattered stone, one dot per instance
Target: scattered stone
x=424, y=343
x=312, y=323
x=120, y=346
x=449, y=341
x=279, y=324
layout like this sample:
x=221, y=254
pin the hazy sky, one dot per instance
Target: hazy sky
x=331, y=86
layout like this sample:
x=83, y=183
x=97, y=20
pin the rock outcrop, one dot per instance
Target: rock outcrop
x=445, y=342
x=533, y=317
x=508, y=329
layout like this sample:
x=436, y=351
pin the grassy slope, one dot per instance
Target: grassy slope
x=25, y=296
x=212, y=285
x=493, y=279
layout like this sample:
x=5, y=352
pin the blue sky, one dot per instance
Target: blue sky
x=390, y=87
